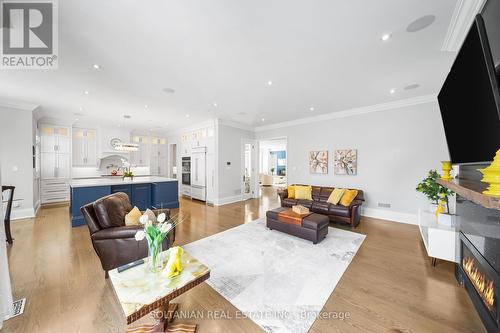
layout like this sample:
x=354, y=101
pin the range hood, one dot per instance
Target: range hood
x=127, y=147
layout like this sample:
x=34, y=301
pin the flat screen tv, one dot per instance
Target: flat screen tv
x=470, y=101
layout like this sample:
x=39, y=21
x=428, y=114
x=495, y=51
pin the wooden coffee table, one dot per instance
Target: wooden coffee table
x=141, y=292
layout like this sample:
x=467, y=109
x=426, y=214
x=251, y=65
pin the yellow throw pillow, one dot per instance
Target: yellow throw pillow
x=291, y=192
x=348, y=197
x=132, y=218
x=303, y=192
x=336, y=195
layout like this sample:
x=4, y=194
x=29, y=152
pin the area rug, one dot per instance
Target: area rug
x=279, y=281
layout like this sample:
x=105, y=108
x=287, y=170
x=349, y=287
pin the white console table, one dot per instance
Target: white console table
x=441, y=242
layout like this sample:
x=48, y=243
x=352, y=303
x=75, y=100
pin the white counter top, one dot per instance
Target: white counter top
x=119, y=181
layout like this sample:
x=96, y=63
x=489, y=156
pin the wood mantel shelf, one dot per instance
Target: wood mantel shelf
x=471, y=190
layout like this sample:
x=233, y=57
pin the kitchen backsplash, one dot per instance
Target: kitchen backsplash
x=85, y=172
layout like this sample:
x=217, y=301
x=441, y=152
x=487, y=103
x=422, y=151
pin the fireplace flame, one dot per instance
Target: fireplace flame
x=483, y=286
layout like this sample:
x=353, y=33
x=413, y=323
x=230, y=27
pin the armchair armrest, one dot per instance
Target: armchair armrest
x=117, y=232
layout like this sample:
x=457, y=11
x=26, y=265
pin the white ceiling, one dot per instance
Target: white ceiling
x=318, y=53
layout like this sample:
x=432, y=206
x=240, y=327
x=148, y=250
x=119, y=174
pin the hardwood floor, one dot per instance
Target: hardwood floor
x=389, y=284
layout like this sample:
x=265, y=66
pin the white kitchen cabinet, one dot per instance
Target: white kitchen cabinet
x=141, y=156
x=84, y=147
x=158, y=163
x=55, y=139
x=55, y=162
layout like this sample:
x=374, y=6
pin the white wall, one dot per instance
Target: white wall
x=395, y=147
x=16, y=140
x=229, y=150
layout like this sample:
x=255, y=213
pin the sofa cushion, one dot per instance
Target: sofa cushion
x=348, y=197
x=287, y=202
x=111, y=210
x=339, y=210
x=132, y=218
x=291, y=191
x=320, y=207
x=336, y=195
x=303, y=192
x=305, y=203
x=325, y=193
x=316, y=190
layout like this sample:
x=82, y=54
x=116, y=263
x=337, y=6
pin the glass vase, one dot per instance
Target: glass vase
x=155, y=262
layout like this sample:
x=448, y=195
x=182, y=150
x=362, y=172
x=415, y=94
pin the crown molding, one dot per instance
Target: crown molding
x=235, y=124
x=18, y=105
x=353, y=112
x=461, y=21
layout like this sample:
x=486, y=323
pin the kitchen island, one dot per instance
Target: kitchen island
x=144, y=192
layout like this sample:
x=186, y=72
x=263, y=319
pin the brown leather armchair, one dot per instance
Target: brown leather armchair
x=114, y=243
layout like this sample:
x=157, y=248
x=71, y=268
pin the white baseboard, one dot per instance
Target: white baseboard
x=19, y=214
x=227, y=200
x=390, y=215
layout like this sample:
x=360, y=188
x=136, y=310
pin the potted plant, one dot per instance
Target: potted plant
x=436, y=193
x=127, y=173
x=155, y=230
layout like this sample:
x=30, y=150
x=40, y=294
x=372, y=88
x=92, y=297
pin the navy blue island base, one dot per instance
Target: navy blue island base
x=144, y=192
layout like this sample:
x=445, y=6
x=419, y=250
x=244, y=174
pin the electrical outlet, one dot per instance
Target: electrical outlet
x=384, y=205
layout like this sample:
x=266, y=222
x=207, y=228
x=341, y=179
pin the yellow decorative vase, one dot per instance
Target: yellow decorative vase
x=446, y=170
x=491, y=175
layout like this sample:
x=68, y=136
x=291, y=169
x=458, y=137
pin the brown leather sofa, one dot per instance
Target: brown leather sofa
x=114, y=242
x=319, y=205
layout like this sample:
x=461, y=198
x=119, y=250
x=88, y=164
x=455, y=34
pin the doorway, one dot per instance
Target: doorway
x=273, y=157
x=248, y=163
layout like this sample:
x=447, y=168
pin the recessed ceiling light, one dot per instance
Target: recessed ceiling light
x=86, y=92
x=76, y=119
x=78, y=114
x=412, y=86
x=392, y=91
x=421, y=23
x=127, y=116
x=311, y=108
x=187, y=116
x=269, y=83
x=80, y=108
x=96, y=66
x=263, y=119
x=168, y=90
x=385, y=37
x=146, y=106
x=215, y=105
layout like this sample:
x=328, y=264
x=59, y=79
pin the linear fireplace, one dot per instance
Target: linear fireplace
x=481, y=282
